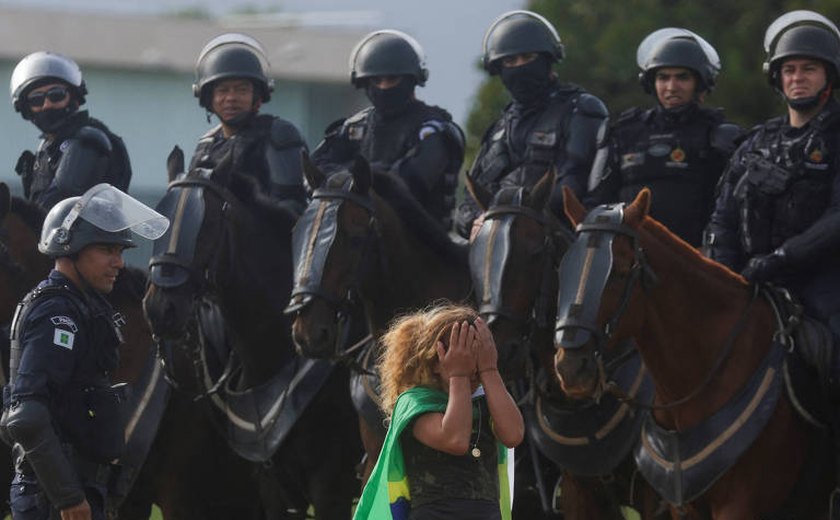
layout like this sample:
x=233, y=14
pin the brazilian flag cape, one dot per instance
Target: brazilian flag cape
x=386, y=495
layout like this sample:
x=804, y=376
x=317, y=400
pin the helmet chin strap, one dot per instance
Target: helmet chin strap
x=810, y=102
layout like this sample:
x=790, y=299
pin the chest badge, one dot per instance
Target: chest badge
x=678, y=155
x=816, y=156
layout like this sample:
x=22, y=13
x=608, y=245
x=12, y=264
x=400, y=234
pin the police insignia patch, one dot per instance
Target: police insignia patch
x=63, y=146
x=64, y=320
x=64, y=338
x=816, y=155
x=678, y=155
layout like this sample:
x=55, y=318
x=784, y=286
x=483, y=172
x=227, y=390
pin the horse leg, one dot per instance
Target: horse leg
x=372, y=442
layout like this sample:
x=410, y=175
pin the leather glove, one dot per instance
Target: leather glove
x=765, y=267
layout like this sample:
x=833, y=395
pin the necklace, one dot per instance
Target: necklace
x=475, y=452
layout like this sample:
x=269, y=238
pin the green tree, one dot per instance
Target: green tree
x=601, y=37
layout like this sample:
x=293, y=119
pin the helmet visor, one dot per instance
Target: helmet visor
x=793, y=18
x=111, y=210
x=654, y=39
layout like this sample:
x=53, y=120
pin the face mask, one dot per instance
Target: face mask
x=530, y=82
x=49, y=121
x=390, y=100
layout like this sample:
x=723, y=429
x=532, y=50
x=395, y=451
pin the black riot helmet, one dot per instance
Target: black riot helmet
x=520, y=32
x=40, y=68
x=677, y=47
x=229, y=56
x=387, y=53
x=804, y=34
x=102, y=215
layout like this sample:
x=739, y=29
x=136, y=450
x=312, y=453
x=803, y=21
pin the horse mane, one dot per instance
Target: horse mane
x=31, y=213
x=427, y=228
x=689, y=253
x=279, y=214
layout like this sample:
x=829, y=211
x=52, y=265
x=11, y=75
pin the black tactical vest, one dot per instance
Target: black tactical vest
x=388, y=140
x=49, y=153
x=787, y=180
x=672, y=155
x=248, y=145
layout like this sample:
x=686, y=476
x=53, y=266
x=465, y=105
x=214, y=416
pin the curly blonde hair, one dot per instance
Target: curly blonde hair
x=408, y=356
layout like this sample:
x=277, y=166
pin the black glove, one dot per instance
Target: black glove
x=765, y=267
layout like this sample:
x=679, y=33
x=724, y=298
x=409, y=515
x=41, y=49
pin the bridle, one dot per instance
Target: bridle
x=309, y=267
x=208, y=284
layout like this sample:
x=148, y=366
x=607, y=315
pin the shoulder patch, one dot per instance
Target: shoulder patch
x=66, y=321
x=63, y=338
x=427, y=130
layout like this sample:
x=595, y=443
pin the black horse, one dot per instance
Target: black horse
x=220, y=279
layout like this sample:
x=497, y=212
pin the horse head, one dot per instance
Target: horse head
x=597, y=306
x=227, y=250
x=513, y=261
x=330, y=245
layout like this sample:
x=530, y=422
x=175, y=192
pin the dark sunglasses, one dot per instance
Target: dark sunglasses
x=55, y=95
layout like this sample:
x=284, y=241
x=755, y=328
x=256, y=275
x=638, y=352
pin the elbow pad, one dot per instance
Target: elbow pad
x=84, y=161
x=29, y=425
x=584, y=127
x=283, y=154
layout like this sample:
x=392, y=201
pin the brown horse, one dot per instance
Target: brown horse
x=513, y=261
x=365, y=241
x=723, y=440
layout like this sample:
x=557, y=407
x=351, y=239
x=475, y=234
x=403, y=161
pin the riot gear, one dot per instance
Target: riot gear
x=39, y=68
x=675, y=47
x=520, y=32
x=103, y=215
x=528, y=83
x=230, y=56
x=387, y=53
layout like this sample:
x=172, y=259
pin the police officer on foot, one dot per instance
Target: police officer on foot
x=76, y=151
x=777, y=217
x=232, y=83
x=62, y=415
x=679, y=148
x=398, y=134
x=548, y=124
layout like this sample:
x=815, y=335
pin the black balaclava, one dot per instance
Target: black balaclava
x=528, y=83
x=392, y=100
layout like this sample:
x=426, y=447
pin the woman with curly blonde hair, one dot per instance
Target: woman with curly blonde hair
x=451, y=420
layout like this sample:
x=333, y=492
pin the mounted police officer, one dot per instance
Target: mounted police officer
x=76, y=151
x=548, y=124
x=61, y=413
x=232, y=82
x=399, y=134
x=777, y=217
x=678, y=148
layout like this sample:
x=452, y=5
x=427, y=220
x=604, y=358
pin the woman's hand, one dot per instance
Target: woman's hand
x=487, y=355
x=460, y=359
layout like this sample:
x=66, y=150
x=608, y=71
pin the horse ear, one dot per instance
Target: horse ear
x=314, y=176
x=362, y=176
x=574, y=209
x=175, y=162
x=482, y=196
x=223, y=172
x=542, y=190
x=638, y=209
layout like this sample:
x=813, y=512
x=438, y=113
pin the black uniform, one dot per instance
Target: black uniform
x=558, y=131
x=678, y=154
x=782, y=192
x=62, y=413
x=266, y=147
x=82, y=153
x=419, y=143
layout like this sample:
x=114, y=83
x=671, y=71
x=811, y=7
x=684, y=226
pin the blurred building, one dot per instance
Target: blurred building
x=139, y=72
